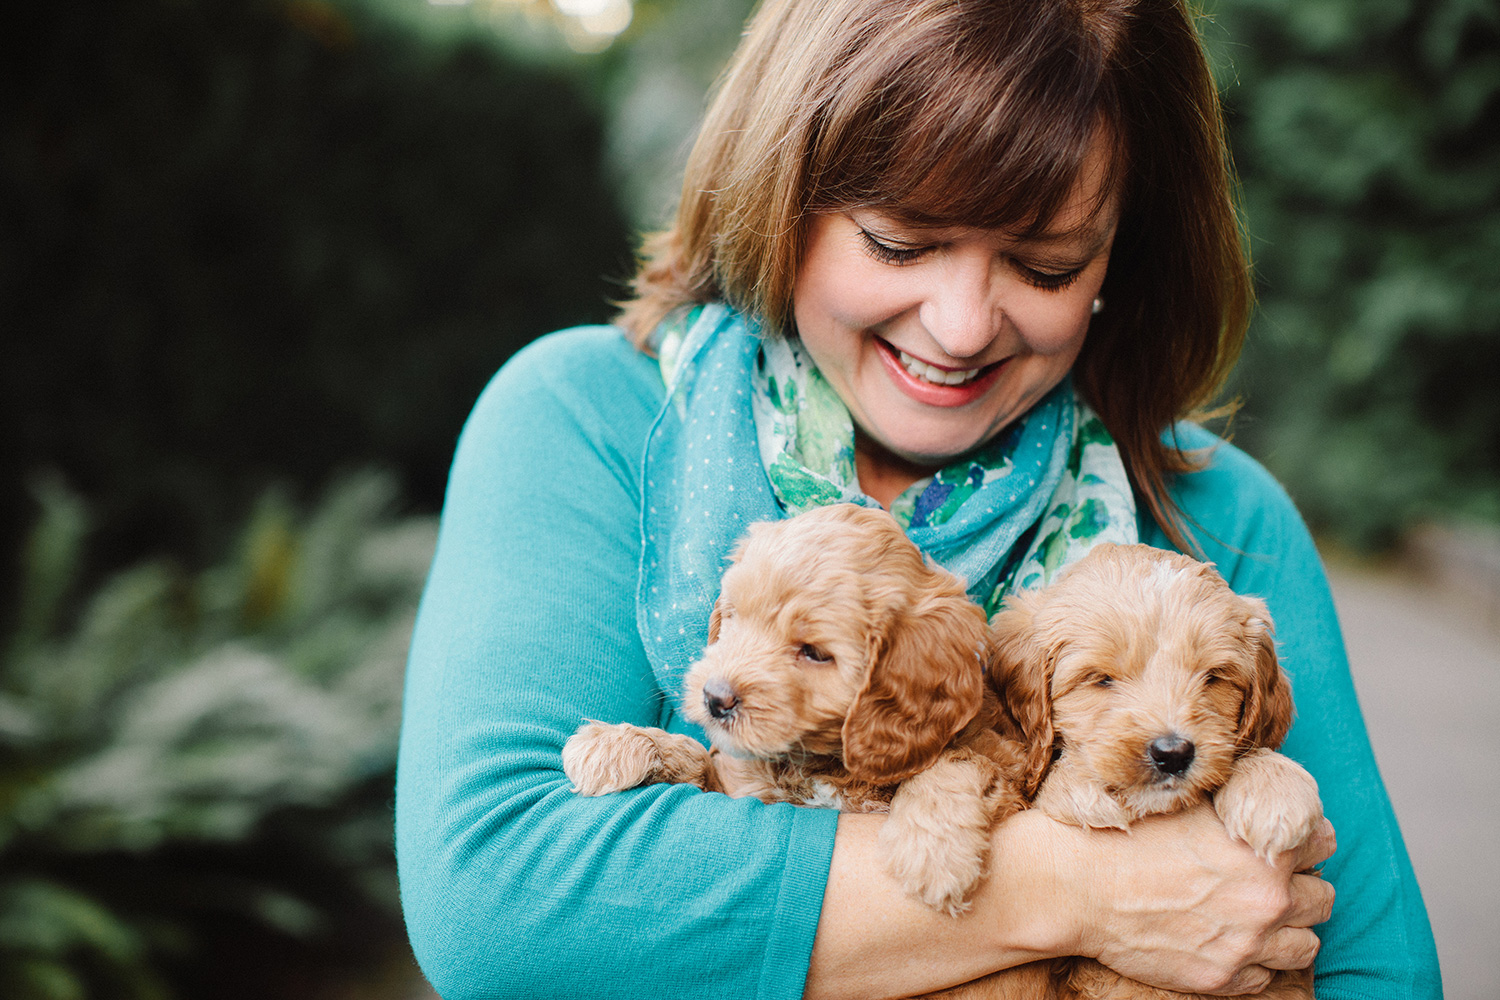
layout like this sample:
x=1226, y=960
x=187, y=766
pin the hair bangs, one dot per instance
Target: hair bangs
x=953, y=135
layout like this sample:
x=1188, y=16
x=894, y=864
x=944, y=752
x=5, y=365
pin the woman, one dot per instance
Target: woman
x=922, y=243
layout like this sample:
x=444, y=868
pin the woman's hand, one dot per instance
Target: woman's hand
x=1175, y=903
x=1178, y=904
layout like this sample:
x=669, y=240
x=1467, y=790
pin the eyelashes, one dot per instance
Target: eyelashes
x=1050, y=281
x=888, y=254
x=899, y=256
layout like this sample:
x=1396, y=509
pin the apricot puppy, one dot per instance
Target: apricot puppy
x=842, y=670
x=1144, y=685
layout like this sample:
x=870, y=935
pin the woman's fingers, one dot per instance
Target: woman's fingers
x=1250, y=979
x=1311, y=902
x=1288, y=948
x=1293, y=945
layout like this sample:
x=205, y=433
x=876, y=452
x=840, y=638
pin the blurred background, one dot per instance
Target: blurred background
x=257, y=259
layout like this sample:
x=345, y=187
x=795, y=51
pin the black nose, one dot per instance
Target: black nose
x=719, y=697
x=1170, y=754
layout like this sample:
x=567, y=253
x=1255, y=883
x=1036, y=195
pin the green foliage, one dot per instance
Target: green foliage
x=201, y=748
x=1368, y=140
x=264, y=240
x=655, y=82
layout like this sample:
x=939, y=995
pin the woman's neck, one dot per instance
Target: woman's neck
x=882, y=475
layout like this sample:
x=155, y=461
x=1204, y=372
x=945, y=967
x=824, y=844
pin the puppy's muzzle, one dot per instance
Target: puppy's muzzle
x=720, y=698
x=1171, y=754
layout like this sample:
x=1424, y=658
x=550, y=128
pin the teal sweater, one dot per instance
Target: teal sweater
x=513, y=886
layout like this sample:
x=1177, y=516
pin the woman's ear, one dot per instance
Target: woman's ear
x=923, y=684
x=1267, y=712
x=1021, y=673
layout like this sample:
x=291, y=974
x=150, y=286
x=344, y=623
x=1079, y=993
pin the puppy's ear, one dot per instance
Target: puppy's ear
x=1267, y=712
x=923, y=684
x=1021, y=672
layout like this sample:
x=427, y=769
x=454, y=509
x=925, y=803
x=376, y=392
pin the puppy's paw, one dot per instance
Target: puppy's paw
x=1073, y=795
x=937, y=839
x=1270, y=802
x=938, y=874
x=602, y=758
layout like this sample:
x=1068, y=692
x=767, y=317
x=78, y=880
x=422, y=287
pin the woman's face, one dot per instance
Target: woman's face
x=938, y=338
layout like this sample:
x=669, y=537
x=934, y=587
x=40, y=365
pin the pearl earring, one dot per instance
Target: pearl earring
x=1098, y=305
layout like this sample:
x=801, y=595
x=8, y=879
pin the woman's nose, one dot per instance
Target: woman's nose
x=962, y=312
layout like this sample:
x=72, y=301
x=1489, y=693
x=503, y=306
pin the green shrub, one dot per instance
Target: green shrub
x=202, y=756
x=1368, y=139
x=264, y=240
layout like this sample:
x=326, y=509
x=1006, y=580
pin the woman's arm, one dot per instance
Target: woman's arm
x=512, y=885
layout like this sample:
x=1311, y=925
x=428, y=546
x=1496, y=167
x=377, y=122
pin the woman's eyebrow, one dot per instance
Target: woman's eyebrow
x=1087, y=240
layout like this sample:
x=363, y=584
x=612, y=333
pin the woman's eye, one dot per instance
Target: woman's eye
x=1050, y=281
x=813, y=653
x=888, y=253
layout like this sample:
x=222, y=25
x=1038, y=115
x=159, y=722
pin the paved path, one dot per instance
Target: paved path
x=1426, y=663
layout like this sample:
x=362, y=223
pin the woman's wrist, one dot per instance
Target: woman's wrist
x=1042, y=887
x=875, y=941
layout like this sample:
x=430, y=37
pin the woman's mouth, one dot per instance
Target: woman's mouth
x=934, y=374
x=934, y=386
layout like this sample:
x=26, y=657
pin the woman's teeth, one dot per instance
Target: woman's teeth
x=928, y=373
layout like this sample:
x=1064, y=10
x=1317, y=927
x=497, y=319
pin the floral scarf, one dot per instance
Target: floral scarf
x=752, y=431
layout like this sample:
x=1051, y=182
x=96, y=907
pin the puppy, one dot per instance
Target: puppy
x=1143, y=685
x=842, y=670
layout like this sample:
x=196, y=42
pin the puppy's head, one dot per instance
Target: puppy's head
x=1141, y=673
x=833, y=636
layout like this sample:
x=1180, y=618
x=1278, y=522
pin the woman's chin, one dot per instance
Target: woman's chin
x=917, y=454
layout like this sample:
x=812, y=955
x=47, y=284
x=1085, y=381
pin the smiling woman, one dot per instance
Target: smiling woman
x=882, y=288
x=937, y=337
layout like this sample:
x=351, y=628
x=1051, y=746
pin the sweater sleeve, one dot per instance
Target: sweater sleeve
x=1378, y=942
x=511, y=884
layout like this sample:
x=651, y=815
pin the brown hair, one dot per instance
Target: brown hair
x=981, y=113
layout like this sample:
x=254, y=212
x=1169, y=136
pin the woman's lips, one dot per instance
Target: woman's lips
x=933, y=385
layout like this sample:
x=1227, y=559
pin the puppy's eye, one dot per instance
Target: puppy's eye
x=1212, y=679
x=813, y=653
x=1103, y=681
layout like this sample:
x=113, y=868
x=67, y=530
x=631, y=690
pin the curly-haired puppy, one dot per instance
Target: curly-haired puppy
x=1143, y=685
x=842, y=670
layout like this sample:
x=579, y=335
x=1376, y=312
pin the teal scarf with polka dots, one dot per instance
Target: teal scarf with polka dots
x=751, y=431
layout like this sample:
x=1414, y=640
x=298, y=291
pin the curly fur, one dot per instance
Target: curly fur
x=842, y=670
x=1132, y=648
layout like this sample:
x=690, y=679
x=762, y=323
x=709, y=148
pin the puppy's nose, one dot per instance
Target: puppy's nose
x=719, y=697
x=1170, y=754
